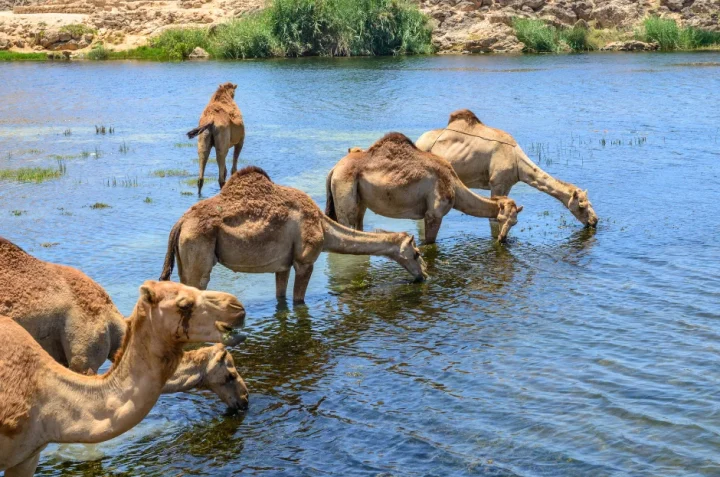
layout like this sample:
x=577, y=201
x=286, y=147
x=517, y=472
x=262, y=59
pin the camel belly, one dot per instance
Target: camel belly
x=252, y=254
x=394, y=202
x=470, y=158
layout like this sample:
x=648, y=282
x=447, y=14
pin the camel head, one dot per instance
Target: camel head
x=355, y=149
x=582, y=209
x=222, y=378
x=191, y=315
x=507, y=216
x=228, y=88
x=411, y=259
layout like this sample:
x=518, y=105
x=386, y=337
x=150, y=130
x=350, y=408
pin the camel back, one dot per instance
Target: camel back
x=482, y=131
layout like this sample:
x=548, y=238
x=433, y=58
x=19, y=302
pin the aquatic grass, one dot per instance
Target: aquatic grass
x=170, y=173
x=99, y=205
x=18, y=213
x=67, y=132
x=538, y=36
x=124, y=149
x=33, y=174
x=98, y=53
x=670, y=36
x=16, y=56
x=146, y=53
x=184, y=144
x=122, y=182
x=49, y=244
x=148, y=200
x=576, y=38
x=187, y=193
x=191, y=182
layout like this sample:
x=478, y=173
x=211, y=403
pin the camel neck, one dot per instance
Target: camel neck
x=89, y=409
x=467, y=202
x=531, y=174
x=341, y=239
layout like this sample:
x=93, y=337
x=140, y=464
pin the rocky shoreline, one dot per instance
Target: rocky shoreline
x=460, y=26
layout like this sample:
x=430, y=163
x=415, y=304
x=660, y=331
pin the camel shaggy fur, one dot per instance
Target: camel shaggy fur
x=257, y=226
x=395, y=179
x=44, y=402
x=221, y=126
x=487, y=158
x=75, y=321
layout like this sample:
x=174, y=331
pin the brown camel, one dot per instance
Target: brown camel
x=75, y=321
x=395, y=179
x=487, y=158
x=257, y=226
x=44, y=402
x=221, y=125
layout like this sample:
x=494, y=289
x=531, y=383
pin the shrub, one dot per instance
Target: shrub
x=178, y=43
x=576, y=38
x=77, y=29
x=693, y=38
x=98, y=52
x=664, y=32
x=536, y=35
x=247, y=37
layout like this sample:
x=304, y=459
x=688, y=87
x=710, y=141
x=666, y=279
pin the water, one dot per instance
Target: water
x=565, y=352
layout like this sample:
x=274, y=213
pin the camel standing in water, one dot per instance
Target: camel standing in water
x=395, y=179
x=75, y=321
x=257, y=226
x=221, y=126
x=490, y=159
x=44, y=402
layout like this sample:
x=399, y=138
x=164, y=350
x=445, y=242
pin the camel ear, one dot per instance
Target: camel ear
x=519, y=209
x=219, y=358
x=575, y=193
x=234, y=86
x=147, y=293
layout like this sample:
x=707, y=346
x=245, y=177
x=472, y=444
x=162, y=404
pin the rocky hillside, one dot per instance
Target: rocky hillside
x=461, y=26
x=482, y=26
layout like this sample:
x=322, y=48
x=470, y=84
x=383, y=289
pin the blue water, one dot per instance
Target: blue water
x=564, y=352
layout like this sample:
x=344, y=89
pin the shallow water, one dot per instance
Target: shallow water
x=565, y=352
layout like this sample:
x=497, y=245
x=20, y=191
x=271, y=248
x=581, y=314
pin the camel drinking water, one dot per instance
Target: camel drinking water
x=256, y=226
x=222, y=127
x=75, y=321
x=44, y=402
x=487, y=158
x=395, y=179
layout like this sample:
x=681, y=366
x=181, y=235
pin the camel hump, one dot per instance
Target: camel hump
x=464, y=121
x=247, y=176
x=252, y=170
x=392, y=138
x=464, y=115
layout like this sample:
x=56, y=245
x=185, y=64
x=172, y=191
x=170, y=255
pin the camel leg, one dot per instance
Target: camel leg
x=221, y=154
x=204, y=147
x=25, y=468
x=236, y=155
x=497, y=189
x=432, y=227
x=303, y=272
x=347, y=205
x=198, y=259
x=281, y=283
x=360, y=216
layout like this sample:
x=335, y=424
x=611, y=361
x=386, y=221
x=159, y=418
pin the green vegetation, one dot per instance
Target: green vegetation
x=77, y=29
x=33, y=174
x=17, y=213
x=124, y=148
x=15, y=56
x=99, y=205
x=170, y=173
x=666, y=33
x=184, y=144
x=186, y=193
x=122, y=182
x=298, y=28
x=148, y=200
x=541, y=37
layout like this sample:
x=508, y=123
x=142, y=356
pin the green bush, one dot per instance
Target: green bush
x=77, y=29
x=248, y=37
x=16, y=56
x=538, y=36
x=694, y=38
x=178, y=43
x=98, y=52
x=576, y=38
x=664, y=32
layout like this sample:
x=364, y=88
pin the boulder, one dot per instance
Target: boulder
x=630, y=45
x=199, y=54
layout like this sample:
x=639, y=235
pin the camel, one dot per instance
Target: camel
x=256, y=226
x=221, y=125
x=44, y=402
x=395, y=179
x=487, y=158
x=75, y=321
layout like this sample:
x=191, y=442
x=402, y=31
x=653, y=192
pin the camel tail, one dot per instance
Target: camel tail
x=172, y=247
x=330, y=203
x=195, y=132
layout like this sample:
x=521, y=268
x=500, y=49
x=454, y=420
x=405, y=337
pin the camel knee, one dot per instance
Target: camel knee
x=201, y=181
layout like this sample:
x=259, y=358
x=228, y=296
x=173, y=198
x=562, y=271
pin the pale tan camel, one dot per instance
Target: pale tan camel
x=44, y=402
x=221, y=126
x=395, y=179
x=257, y=226
x=490, y=159
x=76, y=322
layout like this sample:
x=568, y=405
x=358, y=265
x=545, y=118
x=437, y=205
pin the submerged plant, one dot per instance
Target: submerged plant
x=99, y=205
x=170, y=173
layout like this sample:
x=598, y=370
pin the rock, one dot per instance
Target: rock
x=5, y=42
x=630, y=45
x=199, y=54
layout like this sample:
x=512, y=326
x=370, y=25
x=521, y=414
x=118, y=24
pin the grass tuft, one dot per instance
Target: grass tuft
x=33, y=174
x=538, y=36
x=170, y=173
x=666, y=33
x=100, y=205
x=15, y=56
x=77, y=29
